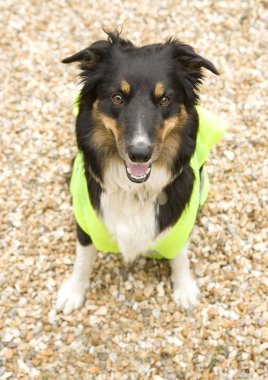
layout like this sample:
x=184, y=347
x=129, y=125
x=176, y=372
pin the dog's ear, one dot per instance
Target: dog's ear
x=91, y=54
x=100, y=49
x=83, y=55
x=189, y=69
x=190, y=60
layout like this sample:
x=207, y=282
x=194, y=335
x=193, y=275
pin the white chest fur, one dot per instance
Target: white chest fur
x=129, y=209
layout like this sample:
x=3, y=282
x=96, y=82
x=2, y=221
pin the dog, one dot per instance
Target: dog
x=138, y=178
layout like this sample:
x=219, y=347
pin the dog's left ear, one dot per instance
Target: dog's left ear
x=189, y=65
x=190, y=60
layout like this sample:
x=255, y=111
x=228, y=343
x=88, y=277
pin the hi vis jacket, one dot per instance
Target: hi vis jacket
x=211, y=129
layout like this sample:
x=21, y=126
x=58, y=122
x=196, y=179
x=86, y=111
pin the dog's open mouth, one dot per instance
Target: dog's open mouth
x=138, y=172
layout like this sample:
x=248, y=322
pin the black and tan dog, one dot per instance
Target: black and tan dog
x=137, y=133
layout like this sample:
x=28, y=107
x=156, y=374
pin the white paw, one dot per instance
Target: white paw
x=186, y=293
x=71, y=296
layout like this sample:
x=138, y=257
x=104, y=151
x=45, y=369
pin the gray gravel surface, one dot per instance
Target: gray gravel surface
x=129, y=327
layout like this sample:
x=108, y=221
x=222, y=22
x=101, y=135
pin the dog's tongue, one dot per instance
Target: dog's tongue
x=138, y=170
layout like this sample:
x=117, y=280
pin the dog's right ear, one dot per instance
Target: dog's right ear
x=83, y=55
x=91, y=54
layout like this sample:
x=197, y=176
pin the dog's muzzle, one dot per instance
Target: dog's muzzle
x=139, y=167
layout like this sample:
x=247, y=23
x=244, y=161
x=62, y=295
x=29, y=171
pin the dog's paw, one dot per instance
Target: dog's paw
x=186, y=294
x=71, y=296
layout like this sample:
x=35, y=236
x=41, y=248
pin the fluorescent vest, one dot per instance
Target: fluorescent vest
x=210, y=130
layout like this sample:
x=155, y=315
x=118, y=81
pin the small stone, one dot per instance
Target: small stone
x=124, y=273
x=234, y=316
x=229, y=154
x=23, y=366
x=148, y=290
x=128, y=285
x=160, y=289
x=156, y=313
x=9, y=354
x=146, y=312
x=88, y=358
x=7, y=338
x=12, y=344
x=29, y=336
x=31, y=354
x=212, y=312
x=35, y=373
x=103, y=356
x=260, y=247
x=265, y=333
x=48, y=352
x=70, y=338
x=173, y=340
x=227, y=324
x=113, y=357
x=263, y=347
x=52, y=315
x=200, y=358
x=177, y=359
x=22, y=302
x=95, y=340
x=21, y=313
x=94, y=370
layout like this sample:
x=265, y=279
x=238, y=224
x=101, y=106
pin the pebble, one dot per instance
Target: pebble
x=29, y=336
x=102, y=311
x=52, y=315
x=156, y=313
x=9, y=354
x=70, y=338
x=12, y=344
x=148, y=290
x=113, y=357
x=146, y=312
x=160, y=289
x=173, y=340
x=229, y=154
x=128, y=285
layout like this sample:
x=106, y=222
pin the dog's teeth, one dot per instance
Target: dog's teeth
x=134, y=176
x=138, y=178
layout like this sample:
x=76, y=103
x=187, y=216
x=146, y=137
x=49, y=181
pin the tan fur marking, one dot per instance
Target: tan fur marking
x=110, y=124
x=169, y=124
x=106, y=132
x=169, y=136
x=177, y=122
x=125, y=86
x=159, y=90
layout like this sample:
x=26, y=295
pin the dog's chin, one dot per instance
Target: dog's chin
x=138, y=172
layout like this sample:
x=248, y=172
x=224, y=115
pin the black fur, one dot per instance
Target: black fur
x=82, y=237
x=104, y=64
x=178, y=194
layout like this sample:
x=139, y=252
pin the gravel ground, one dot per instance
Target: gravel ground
x=129, y=327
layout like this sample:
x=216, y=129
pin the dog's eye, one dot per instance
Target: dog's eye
x=117, y=99
x=164, y=101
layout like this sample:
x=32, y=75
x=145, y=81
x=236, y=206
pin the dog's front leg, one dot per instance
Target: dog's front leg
x=185, y=290
x=72, y=293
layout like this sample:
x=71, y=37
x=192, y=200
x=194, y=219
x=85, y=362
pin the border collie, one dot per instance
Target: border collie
x=137, y=128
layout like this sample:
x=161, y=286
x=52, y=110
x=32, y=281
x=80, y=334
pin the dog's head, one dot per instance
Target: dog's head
x=137, y=103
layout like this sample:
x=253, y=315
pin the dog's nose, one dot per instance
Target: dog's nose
x=140, y=152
